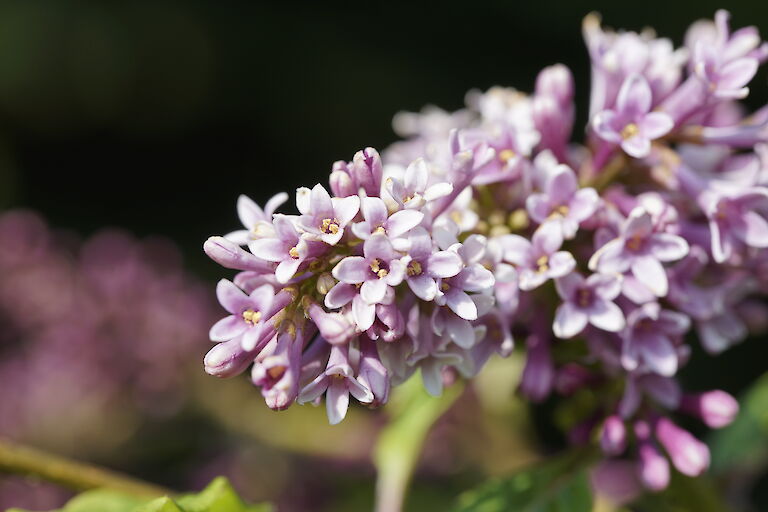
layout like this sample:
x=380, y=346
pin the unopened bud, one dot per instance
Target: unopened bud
x=325, y=282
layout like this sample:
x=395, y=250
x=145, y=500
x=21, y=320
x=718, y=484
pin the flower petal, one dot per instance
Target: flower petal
x=403, y=221
x=337, y=401
x=461, y=304
x=352, y=270
x=227, y=328
x=634, y=96
x=668, y=247
x=655, y=125
x=569, y=321
x=340, y=295
x=607, y=316
x=363, y=313
x=232, y=298
x=649, y=271
x=373, y=290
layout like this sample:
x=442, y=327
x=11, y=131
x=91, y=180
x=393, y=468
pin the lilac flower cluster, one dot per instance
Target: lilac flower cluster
x=490, y=222
x=90, y=331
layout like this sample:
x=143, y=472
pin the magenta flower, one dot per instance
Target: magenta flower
x=337, y=381
x=257, y=222
x=538, y=260
x=378, y=220
x=587, y=301
x=562, y=202
x=631, y=124
x=247, y=313
x=377, y=271
x=649, y=339
x=734, y=220
x=641, y=249
x=716, y=409
x=322, y=217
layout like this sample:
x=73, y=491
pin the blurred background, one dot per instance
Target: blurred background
x=127, y=130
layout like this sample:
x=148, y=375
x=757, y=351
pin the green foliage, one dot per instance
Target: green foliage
x=684, y=493
x=219, y=496
x=397, y=450
x=744, y=443
x=558, y=485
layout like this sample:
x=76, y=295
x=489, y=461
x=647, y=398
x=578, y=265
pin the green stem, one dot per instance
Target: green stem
x=76, y=475
x=400, y=442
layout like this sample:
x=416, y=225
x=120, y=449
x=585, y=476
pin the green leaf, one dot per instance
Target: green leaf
x=558, y=485
x=744, y=443
x=219, y=496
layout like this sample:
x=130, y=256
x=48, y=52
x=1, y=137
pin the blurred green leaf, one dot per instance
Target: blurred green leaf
x=397, y=450
x=683, y=494
x=744, y=443
x=557, y=485
x=219, y=496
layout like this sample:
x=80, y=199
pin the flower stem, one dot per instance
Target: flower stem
x=24, y=460
x=399, y=445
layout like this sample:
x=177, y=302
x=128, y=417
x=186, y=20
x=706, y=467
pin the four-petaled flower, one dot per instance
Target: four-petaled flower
x=247, y=313
x=631, y=124
x=323, y=217
x=539, y=259
x=586, y=301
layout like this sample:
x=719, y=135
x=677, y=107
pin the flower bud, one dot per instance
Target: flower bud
x=227, y=359
x=715, y=408
x=539, y=372
x=653, y=468
x=334, y=327
x=613, y=440
x=556, y=82
x=230, y=255
x=324, y=283
x=367, y=171
x=689, y=455
x=342, y=184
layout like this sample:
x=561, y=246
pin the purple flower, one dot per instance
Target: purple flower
x=649, y=339
x=562, y=202
x=423, y=265
x=322, y=217
x=337, y=381
x=413, y=191
x=288, y=249
x=377, y=271
x=378, y=220
x=587, y=301
x=247, y=313
x=631, y=124
x=538, y=260
x=641, y=249
x=257, y=222
x=473, y=277
x=733, y=221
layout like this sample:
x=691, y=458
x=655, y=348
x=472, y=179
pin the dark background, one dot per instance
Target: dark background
x=155, y=115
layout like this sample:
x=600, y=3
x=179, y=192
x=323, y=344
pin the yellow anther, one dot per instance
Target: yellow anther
x=375, y=265
x=380, y=230
x=629, y=131
x=543, y=264
x=445, y=286
x=634, y=243
x=560, y=211
x=251, y=317
x=382, y=273
x=294, y=253
x=505, y=155
x=329, y=226
x=413, y=268
x=276, y=372
x=584, y=298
